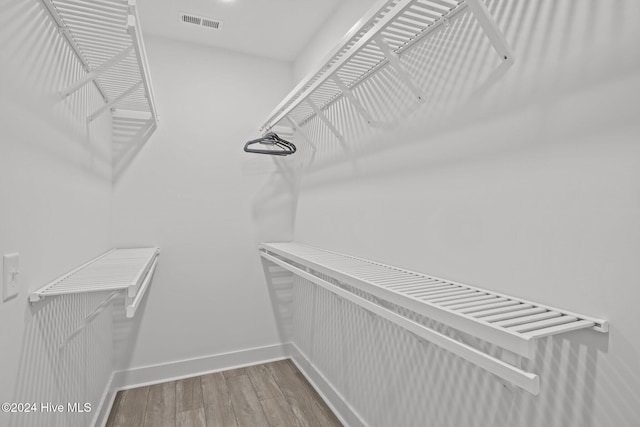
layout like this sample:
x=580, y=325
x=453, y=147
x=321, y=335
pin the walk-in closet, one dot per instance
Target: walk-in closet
x=318, y=213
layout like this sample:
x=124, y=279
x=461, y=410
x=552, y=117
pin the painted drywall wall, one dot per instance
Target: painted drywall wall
x=345, y=16
x=531, y=189
x=193, y=192
x=55, y=210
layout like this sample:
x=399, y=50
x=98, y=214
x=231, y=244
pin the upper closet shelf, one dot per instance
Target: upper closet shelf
x=509, y=322
x=129, y=270
x=106, y=38
x=380, y=38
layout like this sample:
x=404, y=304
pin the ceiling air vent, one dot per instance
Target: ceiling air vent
x=201, y=21
x=211, y=23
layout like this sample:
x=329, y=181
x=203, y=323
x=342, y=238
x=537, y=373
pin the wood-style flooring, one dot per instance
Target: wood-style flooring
x=269, y=395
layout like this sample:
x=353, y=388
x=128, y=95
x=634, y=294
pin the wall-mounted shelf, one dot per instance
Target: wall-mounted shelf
x=379, y=41
x=106, y=38
x=128, y=270
x=513, y=324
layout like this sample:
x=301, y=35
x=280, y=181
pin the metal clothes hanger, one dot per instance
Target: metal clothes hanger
x=281, y=147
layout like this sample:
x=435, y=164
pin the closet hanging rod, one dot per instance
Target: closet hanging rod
x=512, y=374
x=132, y=307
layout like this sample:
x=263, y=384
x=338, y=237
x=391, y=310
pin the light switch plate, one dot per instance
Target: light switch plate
x=10, y=274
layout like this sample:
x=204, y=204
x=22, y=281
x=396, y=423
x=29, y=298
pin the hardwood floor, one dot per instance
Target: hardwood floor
x=270, y=395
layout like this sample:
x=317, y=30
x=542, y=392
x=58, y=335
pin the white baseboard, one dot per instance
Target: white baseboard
x=155, y=374
x=347, y=415
x=104, y=406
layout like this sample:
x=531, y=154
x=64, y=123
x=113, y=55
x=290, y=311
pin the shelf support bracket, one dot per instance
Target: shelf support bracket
x=87, y=321
x=348, y=93
x=96, y=72
x=64, y=31
x=398, y=66
x=490, y=27
x=297, y=127
x=34, y=297
x=114, y=101
x=304, y=134
x=326, y=121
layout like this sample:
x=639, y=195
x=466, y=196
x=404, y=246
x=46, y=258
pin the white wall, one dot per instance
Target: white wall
x=329, y=34
x=531, y=190
x=191, y=191
x=55, y=210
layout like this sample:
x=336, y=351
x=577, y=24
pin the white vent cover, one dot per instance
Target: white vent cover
x=189, y=18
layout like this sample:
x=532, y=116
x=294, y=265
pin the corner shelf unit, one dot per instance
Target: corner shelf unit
x=388, y=31
x=129, y=270
x=106, y=38
x=513, y=324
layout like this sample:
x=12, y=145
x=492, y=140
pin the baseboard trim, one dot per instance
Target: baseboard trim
x=334, y=399
x=104, y=406
x=155, y=374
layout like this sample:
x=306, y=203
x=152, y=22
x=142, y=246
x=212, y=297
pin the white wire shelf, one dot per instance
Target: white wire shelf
x=511, y=323
x=380, y=38
x=106, y=38
x=129, y=270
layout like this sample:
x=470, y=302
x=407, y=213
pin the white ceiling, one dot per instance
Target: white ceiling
x=276, y=29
